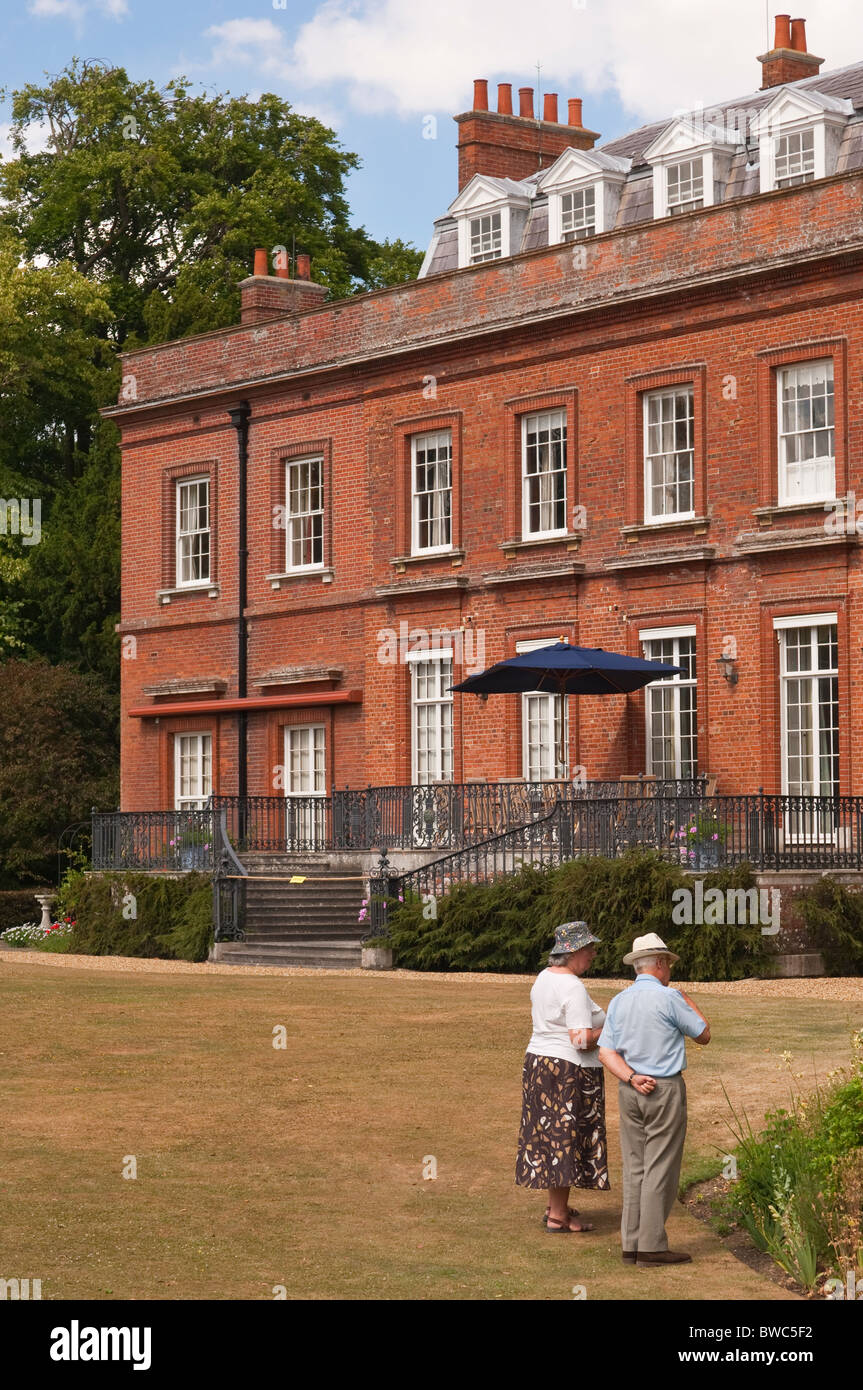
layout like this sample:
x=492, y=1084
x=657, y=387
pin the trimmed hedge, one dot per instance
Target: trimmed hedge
x=833, y=915
x=508, y=926
x=173, y=916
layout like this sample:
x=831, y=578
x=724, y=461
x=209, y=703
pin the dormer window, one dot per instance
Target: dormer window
x=491, y=215
x=799, y=134
x=578, y=214
x=795, y=158
x=583, y=189
x=685, y=186
x=691, y=163
x=486, y=238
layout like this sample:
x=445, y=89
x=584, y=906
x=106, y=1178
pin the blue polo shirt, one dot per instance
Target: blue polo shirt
x=647, y=1025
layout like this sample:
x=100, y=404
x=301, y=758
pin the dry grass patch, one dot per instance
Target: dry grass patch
x=303, y=1167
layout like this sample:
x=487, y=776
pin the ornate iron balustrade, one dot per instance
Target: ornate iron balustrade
x=171, y=841
x=697, y=832
x=682, y=823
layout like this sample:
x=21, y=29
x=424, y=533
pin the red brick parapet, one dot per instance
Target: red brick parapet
x=754, y=235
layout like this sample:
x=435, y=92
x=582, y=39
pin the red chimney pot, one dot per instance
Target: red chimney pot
x=549, y=107
x=575, y=111
x=504, y=98
x=525, y=102
x=798, y=35
x=304, y=267
x=480, y=94
x=783, y=31
x=260, y=261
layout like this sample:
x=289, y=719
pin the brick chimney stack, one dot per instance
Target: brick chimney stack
x=265, y=296
x=788, y=60
x=509, y=146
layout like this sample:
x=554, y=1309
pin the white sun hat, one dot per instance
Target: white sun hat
x=649, y=945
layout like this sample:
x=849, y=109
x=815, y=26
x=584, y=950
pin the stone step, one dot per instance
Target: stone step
x=321, y=956
x=274, y=935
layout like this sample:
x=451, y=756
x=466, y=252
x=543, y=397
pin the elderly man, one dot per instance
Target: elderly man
x=643, y=1044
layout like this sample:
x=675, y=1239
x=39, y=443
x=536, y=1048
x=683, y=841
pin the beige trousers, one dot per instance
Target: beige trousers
x=652, y=1131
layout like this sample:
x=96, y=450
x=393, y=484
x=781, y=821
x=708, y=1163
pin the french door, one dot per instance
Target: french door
x=305, y=786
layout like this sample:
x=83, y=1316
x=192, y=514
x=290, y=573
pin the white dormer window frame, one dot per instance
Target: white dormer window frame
x=490, y=215
x=572, y=184
x=691, y=163
x=798, y=139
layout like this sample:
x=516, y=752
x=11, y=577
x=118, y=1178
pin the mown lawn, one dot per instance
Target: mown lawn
x=303, y=1167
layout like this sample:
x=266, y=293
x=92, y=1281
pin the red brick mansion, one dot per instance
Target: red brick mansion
x=622, y=404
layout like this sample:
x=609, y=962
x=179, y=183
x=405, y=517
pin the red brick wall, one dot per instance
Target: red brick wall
x=754, y=288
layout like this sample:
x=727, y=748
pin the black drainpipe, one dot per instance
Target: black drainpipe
x=240, y=421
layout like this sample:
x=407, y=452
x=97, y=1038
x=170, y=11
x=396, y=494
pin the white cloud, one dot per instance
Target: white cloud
x=408, y=58
x=75, y=10
x=37, y=139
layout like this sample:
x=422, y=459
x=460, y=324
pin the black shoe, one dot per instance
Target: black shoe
x=629, y=1257
x=647, y=1258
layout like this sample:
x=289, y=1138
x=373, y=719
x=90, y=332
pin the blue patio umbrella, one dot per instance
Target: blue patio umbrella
x=564, y=670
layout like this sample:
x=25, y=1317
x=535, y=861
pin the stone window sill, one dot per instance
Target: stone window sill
x=697, y=524
x=164, y=596
x=569, y=540
x=766, y=514
x=400, y=562
x=325, y=575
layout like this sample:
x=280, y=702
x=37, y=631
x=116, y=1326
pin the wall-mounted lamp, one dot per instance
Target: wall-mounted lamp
x=728, y=665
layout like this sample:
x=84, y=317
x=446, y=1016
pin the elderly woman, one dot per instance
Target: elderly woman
x=562, y=1141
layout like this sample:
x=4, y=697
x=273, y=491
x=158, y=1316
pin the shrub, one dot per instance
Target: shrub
x=35, y=937
x=508, y=925
x=834, y=917
x=172, y=916
x=799, y=1188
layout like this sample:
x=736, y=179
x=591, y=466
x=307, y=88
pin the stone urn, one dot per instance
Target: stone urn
x=45, y=900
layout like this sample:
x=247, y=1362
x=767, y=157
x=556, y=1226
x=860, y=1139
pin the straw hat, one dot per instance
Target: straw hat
x=649, y=945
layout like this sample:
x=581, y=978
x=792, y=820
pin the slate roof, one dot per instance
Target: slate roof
x=636, y=203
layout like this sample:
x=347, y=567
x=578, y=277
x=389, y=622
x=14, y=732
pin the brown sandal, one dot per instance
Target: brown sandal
x=570, y=1211
x=560, y=1229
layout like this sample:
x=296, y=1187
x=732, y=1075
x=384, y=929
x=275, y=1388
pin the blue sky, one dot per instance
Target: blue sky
x=375, y=69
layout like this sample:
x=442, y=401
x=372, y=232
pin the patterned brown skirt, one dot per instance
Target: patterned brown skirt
x=561, y=1142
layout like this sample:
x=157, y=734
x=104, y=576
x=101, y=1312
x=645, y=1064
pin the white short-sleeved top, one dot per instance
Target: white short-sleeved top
x=558, y=1003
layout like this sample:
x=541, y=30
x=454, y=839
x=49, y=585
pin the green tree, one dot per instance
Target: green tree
x=161, y=195
x=58, y=757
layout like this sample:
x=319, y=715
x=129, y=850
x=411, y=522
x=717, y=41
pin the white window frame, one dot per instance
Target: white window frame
x=306, y=823
x=197, y=799
x=552, y=473
x=824, y=828
x=444, y=702
x=556, y=708
x=823, y=462
x=444, y=494
x=581, y=224
x=666, y=392
x=304, y=516
x=804, y=159
x=200, y=581
x=495, y=236
x=694, y=179
x=676, y=684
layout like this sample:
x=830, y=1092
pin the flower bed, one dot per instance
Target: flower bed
x=799, y=1185
x=33, y=936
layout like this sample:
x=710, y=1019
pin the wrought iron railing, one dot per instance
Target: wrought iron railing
x=173, y=841
x=697, y=832
x=682, y=823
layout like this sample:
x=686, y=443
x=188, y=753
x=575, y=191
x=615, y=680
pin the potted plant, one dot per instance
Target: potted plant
x=192, y=847
x=700, y=841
